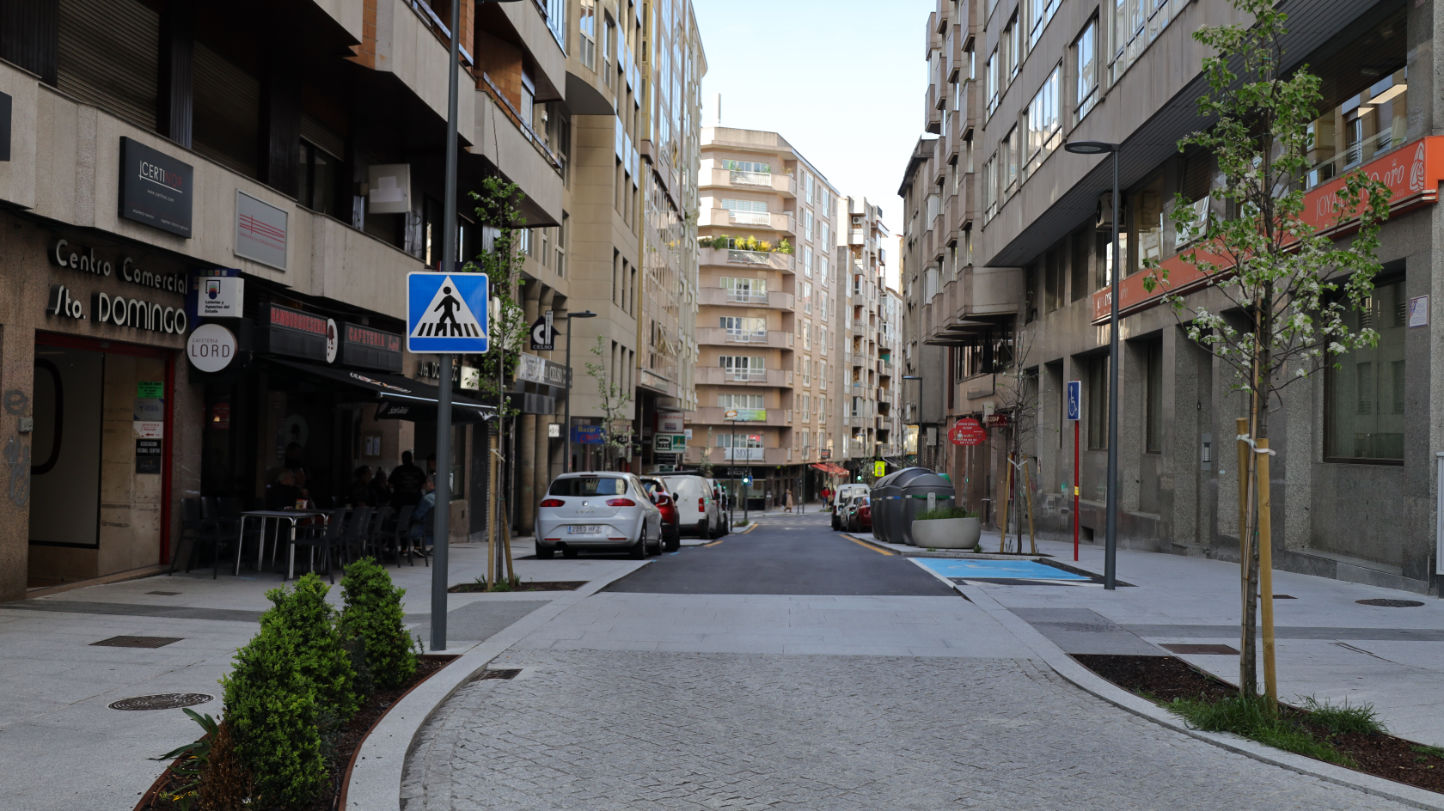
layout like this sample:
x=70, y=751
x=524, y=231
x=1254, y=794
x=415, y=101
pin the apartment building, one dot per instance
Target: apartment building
x=768, y=335
x=1008, y=263
x=868, y=377
x=629, y=128
x=209, y=217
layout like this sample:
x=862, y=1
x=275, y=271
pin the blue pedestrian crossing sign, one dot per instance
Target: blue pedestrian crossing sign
x=446, y=312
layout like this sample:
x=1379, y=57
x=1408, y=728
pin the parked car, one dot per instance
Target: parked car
x=724, y=503
x=859, y=514
x=698, y=511
x=671, y=529
x=841, y=497
x=598, y=511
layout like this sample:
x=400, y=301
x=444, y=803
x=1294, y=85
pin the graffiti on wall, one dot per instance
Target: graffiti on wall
x=17, y=453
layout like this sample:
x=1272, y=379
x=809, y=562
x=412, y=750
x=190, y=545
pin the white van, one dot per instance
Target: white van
x=839, y=498
x=698, y=511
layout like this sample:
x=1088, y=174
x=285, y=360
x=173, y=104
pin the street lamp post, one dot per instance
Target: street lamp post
x=922, y=430
x=1110, y=547
x=567, y=398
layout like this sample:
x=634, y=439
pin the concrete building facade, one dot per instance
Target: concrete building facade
x=1008, y=259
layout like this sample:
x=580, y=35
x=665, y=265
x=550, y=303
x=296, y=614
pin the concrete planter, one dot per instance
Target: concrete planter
x=948, y=533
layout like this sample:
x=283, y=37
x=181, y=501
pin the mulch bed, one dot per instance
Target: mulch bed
x=346, y=744
x=1164, y=678
x=537, y=585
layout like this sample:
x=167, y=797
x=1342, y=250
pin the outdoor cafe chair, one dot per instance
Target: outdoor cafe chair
x=327, y=538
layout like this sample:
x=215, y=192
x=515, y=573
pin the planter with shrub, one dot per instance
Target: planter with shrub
x=947, y=528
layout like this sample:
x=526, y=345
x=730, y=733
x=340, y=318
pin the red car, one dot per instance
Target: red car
x=859, y=514
x=671, y=519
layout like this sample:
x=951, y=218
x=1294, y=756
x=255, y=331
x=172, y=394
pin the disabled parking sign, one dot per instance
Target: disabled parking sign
x=446, y=312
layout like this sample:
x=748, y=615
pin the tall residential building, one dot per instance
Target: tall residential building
x=868, y=375
x=209, y=224
x=1009, y=260
x=629, y=132
x=767, y=372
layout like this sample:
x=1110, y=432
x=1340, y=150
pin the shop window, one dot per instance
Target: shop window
x=1364, y=390
x=316, y=178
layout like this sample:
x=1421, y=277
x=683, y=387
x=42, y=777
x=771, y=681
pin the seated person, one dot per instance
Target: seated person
x=422, y=518
x=283, y=493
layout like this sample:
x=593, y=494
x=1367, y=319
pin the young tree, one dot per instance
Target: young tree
x=1287, y=283
x=615, y=405
x=496, y=211
x=1017, y=399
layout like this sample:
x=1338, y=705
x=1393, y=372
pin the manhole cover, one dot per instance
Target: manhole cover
x=138, y=641
x=161, y=701
x=500, y=673
x=1382, y=603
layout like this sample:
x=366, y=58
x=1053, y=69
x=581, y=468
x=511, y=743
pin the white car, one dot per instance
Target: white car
x=845, y=492
x=601, y=511
x=698, y=511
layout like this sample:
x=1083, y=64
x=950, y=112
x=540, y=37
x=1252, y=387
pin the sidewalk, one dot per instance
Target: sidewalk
x=1328, y=646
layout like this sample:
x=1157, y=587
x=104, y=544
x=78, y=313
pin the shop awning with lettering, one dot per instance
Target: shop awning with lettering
x=397, y=397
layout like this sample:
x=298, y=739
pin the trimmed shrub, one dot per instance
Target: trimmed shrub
x=373, y=619
x=309, y=624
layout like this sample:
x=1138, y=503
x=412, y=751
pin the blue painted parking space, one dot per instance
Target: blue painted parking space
x=955, y=569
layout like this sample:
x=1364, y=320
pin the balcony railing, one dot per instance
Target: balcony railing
x=776, y=339
x=772, y=220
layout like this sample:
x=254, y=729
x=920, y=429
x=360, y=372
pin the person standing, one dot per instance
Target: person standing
x=788, y=502
x=406, y=482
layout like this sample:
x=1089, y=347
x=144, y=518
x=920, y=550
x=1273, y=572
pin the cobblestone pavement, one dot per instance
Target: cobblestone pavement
x=605, y=729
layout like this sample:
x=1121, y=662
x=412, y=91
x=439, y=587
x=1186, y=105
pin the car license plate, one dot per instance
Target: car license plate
x=583, y=529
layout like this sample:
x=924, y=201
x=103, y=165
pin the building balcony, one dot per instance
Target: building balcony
x=716, y=296
x=767, y=220
x=765, y=260
x=785, y=185
x=717, y=336
x=976, y=298
x=761, y=378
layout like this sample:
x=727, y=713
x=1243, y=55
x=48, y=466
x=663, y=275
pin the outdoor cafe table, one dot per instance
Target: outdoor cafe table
x=266, y=517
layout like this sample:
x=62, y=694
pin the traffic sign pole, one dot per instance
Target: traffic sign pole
x=1075, y=415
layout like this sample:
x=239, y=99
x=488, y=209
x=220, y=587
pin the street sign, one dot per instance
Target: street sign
x=967, y=431
x=446, y=312
x=1075, y=400
x=543, y=333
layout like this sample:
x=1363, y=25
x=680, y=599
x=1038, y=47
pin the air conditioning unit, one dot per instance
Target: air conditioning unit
x=1104, y=220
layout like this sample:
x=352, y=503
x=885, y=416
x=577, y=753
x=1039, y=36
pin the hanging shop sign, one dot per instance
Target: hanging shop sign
x=367, y=348
x=220, y=296
x=211, y=348
x=155, y=189
x=967, y=431
x=295, y=333
x=669, y=422
x=260, y=231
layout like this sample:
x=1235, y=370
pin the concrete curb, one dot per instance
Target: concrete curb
x=1085, y=679
x=375, y=781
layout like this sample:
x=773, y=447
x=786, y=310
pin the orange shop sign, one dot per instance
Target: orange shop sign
x=1412, y=172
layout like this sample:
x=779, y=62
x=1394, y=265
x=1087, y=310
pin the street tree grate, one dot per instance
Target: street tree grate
x=499, y=673
x=161, y=701
x=1382, y=603
x=138, y=641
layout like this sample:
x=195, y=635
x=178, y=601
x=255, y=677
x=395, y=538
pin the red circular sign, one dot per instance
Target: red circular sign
x=967, y=431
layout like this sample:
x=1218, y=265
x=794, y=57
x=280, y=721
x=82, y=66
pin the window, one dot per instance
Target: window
x=807, y=261
x=806, y=297
x=826, y=233
x=745, y=291
x=1039, y=13
x=1095, y=410
x=1013, y=39
x=743, y=367
x=822, y=268
x=740, y=401
x=822, y=374
x=754, y=167
x=806, y=371
x=745, y=205
x=1361, y=127
x=1045, y=125
x=1085, y=70
x=822, y=336
x=587, y=34
x=803, y=406
x=1008, y=151
x=1153, y=402
x=739, y=328
x=1364, y=396
x=807, y=222
x=991, y=86
x=316, y=178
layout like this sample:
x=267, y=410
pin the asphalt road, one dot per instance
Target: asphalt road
x=787, y=555
x=792, y=668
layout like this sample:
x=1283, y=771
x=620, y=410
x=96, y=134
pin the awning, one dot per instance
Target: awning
x=830, y=469
x=398, y=398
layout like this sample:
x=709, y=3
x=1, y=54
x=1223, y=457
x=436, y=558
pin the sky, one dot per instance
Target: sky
x=842, y=80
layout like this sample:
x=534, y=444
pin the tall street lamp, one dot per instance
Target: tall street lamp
x=441, y=523
x=731, y=415
x=922, y=431
x=567, y=399
x=1110, y=547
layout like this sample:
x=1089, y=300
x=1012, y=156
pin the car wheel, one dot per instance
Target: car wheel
x=673, y=541
x=835, y=526
x=545, y=552
x=639, y=549
x=657, y=550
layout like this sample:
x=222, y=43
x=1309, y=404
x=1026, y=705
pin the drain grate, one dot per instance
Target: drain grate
x=161, y=701
x=1382, y=603
x=1194, y=648
x=1285, y=597
x=165, y=593
x=499, y=673
x=138, y=641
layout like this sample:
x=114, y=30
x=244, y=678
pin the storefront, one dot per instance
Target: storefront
x=92, y=327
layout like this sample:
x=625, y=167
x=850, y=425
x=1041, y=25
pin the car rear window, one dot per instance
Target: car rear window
x=589, y=486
